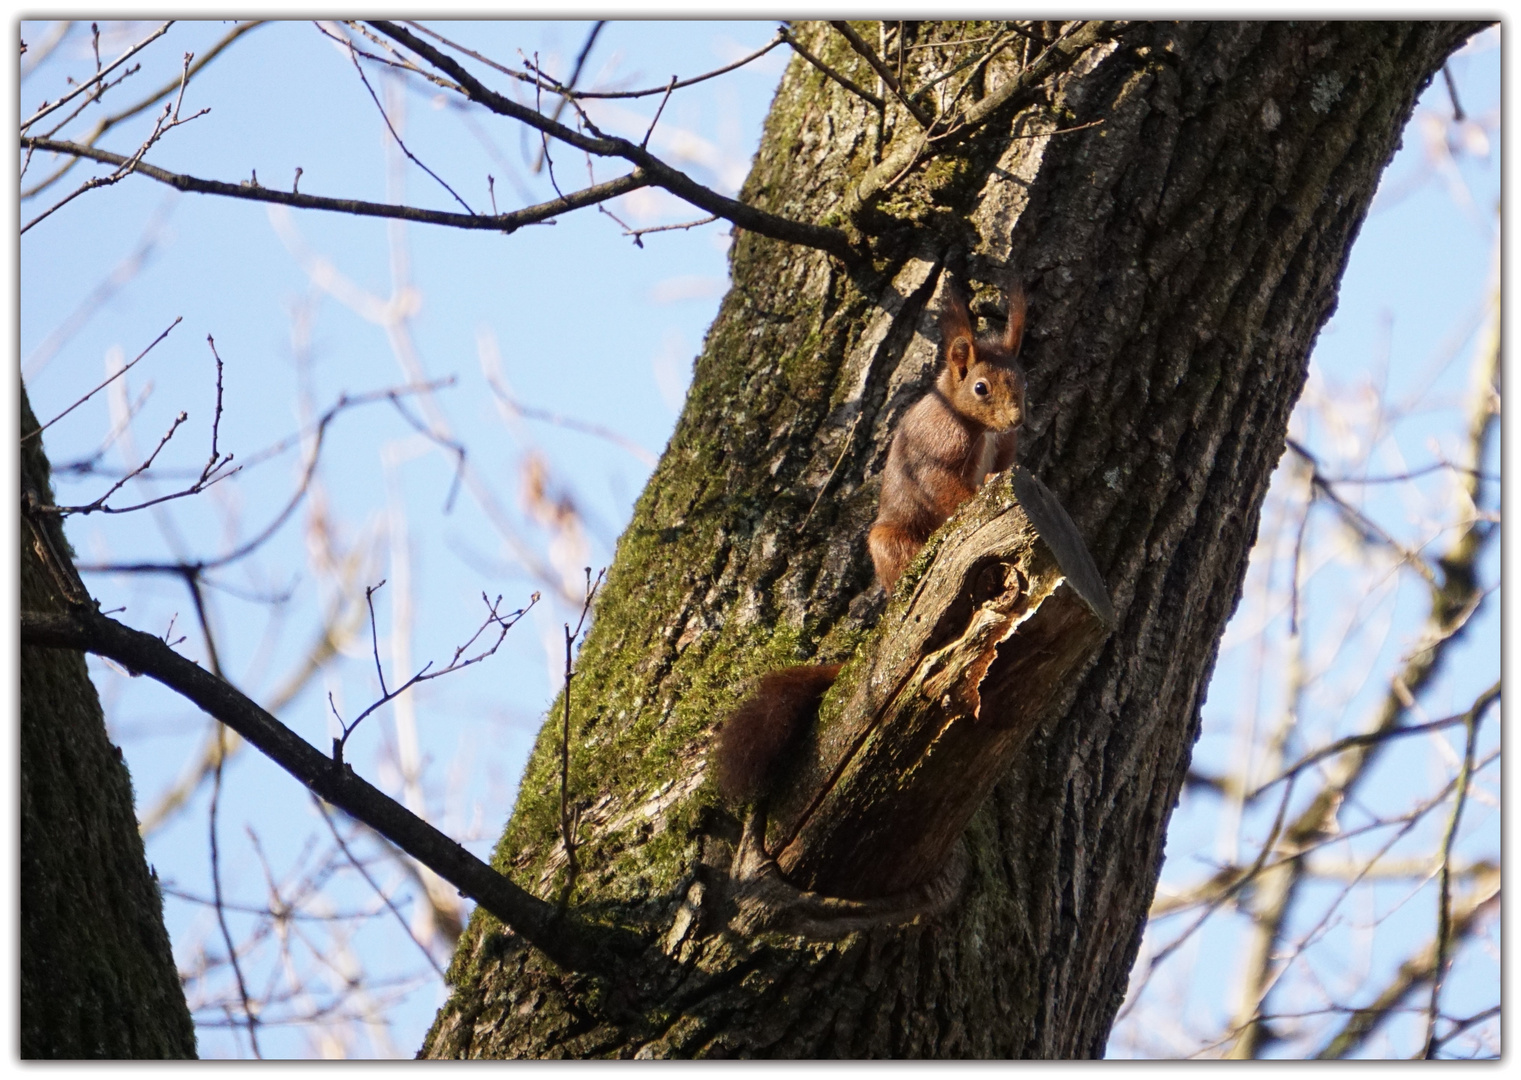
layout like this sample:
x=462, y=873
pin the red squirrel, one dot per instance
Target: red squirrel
x=963, y=428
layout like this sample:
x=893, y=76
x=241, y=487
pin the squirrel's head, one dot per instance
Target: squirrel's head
x=982, y=378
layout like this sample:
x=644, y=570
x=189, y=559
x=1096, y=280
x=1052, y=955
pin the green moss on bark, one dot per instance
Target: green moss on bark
x=1175, y=292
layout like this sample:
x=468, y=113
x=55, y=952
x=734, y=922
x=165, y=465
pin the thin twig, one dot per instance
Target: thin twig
x=504, y=623
x=184, y=78
x=106, y=123
x=318, y=432
x=567, y=825
x=442, y=440
x=215, y=462
x=529, y=412
x=860, y=45
x=865, y=95
x=109, y=380
x=570, y=84
x=285, y=912
x=1469, y=716
x=637, y=234
x=327, y=819
x=108, y=84
x=837, y=462
x=48, y=108
x=210, y=474
x=1444, y=903
x=1365, y=526
x=1258, y=865
x=1000, y=42
x=354, y=58
x=644, y=142
x=161, y=127
x=603, y=95
x=216, y=887
x=100, y=503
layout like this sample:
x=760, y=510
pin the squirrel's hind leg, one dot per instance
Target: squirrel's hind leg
x=892, y=549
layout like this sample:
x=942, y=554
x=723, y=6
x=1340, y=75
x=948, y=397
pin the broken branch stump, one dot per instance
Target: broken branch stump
x=933, y=708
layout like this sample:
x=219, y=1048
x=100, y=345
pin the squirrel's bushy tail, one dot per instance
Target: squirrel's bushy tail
x=766, y=722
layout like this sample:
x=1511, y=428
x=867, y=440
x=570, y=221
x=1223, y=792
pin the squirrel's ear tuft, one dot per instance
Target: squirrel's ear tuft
x=958, y=355
x=956, y=335
x=1014, y=331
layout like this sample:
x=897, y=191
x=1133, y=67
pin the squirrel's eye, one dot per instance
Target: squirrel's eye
x=981, y=389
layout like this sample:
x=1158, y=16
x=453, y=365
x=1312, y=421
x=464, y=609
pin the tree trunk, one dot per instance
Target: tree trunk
x=1179, y=204
x=97, y=975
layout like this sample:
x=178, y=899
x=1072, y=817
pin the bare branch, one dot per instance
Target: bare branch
x=354, y=57
x=863, y=94
x=49, y=108
x=504, y=623
x=1475, y=711
x=566, y=939
x=107, y=123
x=831, y=240
x=566, y=90
x=567, y=824
x=250, y=1017
x=885, y=73
x=112, y=378
x=327, y=819
x=506, y=223
x=1443, y=943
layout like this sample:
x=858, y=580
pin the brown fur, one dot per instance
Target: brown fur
x=945, y=446
x=952, y=438
x=757, y=733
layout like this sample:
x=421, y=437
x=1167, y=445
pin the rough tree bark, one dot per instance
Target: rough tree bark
x=97, y=975
x=1179, y=203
